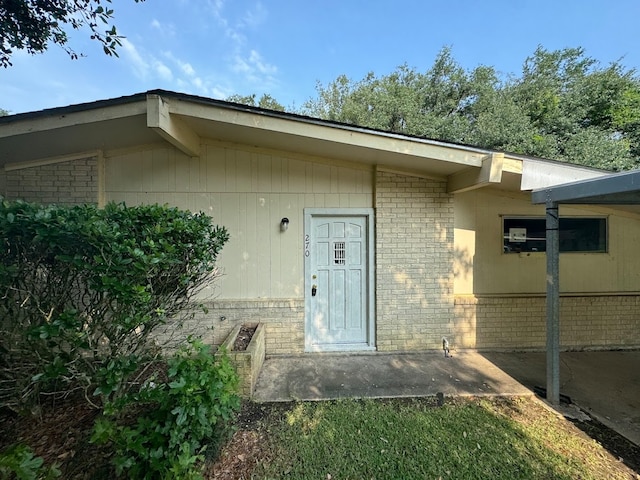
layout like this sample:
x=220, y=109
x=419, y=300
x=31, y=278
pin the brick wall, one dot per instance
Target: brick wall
x=586, y=322
x=414, y=258
x=283, y=321
x=67, y=183
x=248, y=362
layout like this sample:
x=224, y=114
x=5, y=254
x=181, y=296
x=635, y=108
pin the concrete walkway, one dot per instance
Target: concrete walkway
x=380, y=375
x=604, y=384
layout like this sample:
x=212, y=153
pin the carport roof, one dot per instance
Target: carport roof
x=614, y=189
x=622, y=189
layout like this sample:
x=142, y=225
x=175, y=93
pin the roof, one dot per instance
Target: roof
x=614, y=189
x=183, y=120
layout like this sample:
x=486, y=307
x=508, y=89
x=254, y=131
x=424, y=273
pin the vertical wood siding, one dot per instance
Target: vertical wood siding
x=248, y=192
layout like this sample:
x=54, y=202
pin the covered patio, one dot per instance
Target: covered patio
x=622, y=191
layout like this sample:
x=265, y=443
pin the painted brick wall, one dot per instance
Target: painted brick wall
x=593, y=322
x=67, y=183
x=414, y=257
x=283, y=321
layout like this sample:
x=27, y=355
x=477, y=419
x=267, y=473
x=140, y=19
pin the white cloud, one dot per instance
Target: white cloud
x=187, y=69
x=198, y=83
x=191, y=80
x=256, y=59
x=255, y=69
x=256, y=16
x=165, y=29
x=240, y=65
x=138, y=64
x=163, y=71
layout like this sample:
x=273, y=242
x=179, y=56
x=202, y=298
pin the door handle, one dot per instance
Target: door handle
x=314, y=290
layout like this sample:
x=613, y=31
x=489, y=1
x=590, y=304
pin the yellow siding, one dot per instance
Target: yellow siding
x=482, y=269
x=248, y=192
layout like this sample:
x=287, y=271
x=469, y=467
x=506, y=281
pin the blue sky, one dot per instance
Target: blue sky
x=217, y=48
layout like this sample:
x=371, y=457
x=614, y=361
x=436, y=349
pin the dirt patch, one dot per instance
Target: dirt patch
x=60, y=435
x=244, y=338
x=249, y=446
x=618, y=445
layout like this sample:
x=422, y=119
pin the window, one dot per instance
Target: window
x=338, y=253
x=577, y=234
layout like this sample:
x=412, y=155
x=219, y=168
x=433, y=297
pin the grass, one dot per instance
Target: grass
x=411, y=439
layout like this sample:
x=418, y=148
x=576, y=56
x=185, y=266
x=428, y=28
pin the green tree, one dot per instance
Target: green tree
x=433, y=104
x=564, y=106
x=265, y=101
x=32, y=25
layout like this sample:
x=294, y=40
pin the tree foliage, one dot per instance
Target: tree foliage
x=86, y=293
x=265, y=101
x=563, y=106
x=33, y=25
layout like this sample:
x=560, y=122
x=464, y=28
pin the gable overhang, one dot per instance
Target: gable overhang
x=185, y=121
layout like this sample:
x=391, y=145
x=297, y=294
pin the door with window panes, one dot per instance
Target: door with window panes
x=337, y=270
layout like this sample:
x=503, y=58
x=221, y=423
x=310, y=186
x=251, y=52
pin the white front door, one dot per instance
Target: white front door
x=339, y=280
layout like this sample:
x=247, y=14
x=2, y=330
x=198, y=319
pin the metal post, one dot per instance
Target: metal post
x=553, y=303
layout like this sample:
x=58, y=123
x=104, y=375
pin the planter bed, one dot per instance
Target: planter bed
x=247, y=362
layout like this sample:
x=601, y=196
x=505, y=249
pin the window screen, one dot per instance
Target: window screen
x=577, y=234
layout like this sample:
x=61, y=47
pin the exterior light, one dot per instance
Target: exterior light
x=284, y=224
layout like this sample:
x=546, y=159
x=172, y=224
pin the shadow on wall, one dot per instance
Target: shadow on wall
x=464, y=312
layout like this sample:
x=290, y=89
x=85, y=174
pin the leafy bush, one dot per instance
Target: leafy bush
x=173, y=418
x=83, y=290
x=19, y=462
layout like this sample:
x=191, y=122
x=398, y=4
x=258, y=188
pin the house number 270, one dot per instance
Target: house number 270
x=307, y=242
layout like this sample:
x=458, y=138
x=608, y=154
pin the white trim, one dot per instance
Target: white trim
x=9, y=167
x=369, y=213
x=537, y=174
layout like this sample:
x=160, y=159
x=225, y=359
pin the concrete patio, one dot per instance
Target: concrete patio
x=604, y=384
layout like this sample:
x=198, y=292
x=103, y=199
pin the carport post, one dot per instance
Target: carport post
x=553, y=303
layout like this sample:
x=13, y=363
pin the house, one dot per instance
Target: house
x=345, y=238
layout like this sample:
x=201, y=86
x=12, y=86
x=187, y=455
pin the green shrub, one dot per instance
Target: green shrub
x=173, y=418
x=20, y=463
x=83, y=290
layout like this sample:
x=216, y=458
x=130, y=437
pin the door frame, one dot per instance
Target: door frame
x=368, y=214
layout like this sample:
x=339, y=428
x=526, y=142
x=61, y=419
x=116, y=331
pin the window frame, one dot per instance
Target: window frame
x=599, y=218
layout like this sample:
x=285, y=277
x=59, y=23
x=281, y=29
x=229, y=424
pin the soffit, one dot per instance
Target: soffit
x=121, y=126
x=46, y=136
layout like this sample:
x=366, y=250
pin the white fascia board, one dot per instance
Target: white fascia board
x=353, y=136
x=61, y=120
x=538, y=174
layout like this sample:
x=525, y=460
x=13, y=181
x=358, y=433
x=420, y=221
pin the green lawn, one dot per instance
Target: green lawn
x=413, y=439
